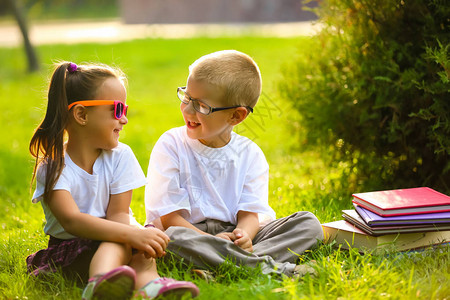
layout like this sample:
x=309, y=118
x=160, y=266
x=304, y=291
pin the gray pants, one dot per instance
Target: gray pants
x=275, y=247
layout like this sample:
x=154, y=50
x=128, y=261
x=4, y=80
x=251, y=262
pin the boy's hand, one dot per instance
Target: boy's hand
x=242, y=239
x=226, y=236
x=239, y=237
x=150, y=240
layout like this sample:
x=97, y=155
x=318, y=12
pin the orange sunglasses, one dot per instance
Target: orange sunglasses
x=120, y=108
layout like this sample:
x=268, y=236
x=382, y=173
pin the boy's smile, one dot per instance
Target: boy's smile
x=192, y=125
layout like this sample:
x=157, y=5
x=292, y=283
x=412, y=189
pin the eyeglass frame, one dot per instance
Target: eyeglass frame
x=211, y=109
x=103, y=102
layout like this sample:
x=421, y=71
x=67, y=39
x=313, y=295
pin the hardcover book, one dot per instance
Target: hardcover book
x=403, y=201
x=372, y=219
x=349, y=236
x=352, y=216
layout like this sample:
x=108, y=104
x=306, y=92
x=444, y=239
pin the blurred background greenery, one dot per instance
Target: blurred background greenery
x=376, y=97
x=51, y=10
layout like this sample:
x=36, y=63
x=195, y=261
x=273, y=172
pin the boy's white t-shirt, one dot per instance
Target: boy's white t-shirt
x=206, y=183
x=115, y=171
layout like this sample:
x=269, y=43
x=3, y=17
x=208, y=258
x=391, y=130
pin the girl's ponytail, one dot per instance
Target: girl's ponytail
x=69, y=83
x=47, y=143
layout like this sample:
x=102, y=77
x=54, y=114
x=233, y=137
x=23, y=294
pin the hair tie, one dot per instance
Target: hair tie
x=72, y=67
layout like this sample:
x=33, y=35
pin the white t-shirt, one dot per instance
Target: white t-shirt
x=206, y=183
x=115, y=171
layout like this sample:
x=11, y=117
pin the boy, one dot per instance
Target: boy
x=208, y=186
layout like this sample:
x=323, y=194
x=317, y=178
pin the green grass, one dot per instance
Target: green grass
x=298, y=178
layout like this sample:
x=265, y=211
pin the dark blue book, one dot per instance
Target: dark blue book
x=350, y=215
x=373, y=219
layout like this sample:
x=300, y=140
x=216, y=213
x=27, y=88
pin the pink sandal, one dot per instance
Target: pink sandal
x=167, y=286
x=116, y=284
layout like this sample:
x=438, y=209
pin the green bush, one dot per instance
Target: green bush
x=375, y=93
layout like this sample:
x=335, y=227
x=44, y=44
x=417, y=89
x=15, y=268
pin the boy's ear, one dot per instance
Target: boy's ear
x=239, y=115
x=79, y=113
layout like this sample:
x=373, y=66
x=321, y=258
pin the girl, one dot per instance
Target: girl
x=85, y=187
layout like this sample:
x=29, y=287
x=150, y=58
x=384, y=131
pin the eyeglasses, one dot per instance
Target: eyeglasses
x=201, y=106
x=120, y=108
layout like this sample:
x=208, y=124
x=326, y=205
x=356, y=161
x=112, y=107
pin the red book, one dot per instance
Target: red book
x=403, y=201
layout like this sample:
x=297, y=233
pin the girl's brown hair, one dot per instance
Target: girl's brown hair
x=66, y=86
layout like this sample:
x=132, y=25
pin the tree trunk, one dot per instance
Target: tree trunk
x=33, y=64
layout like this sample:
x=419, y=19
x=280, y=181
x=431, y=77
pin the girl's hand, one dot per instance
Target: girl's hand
x=150, y=240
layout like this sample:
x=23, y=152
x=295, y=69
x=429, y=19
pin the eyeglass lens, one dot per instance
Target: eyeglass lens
x=120, y=110
x=198, y=105
x=201, y=107
x=182, y=96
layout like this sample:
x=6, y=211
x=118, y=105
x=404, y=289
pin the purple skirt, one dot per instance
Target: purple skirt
x=72, y=257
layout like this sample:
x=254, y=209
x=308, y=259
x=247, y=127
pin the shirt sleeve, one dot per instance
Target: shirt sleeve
x=128, y=174
x=255, y=193
x=63, y=183
x=163, y=193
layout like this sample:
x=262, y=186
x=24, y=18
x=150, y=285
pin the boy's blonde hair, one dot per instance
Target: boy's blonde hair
x=235, y=73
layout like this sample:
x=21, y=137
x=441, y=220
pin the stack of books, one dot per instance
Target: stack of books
x=401, y=219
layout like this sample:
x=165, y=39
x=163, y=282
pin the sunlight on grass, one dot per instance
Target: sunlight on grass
x=298, y=178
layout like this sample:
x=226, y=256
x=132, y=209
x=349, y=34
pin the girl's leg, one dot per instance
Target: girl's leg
x=109, y=256
x=110, y=279
x=149, y=285
x=145, y=269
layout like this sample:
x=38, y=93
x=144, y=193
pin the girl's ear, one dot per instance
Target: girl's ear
x=79, y=113
x=239, y=115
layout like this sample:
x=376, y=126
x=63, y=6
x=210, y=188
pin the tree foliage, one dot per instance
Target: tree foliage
x=376, y=91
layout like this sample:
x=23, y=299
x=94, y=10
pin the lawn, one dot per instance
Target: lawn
x=298, y=178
